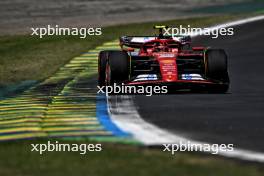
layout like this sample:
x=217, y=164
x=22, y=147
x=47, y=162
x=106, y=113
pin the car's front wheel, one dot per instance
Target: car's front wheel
x=118, y=67
x=102, y=59
x=216, y=69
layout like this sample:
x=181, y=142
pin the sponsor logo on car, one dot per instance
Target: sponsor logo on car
x=146, y=77
x=191, y=77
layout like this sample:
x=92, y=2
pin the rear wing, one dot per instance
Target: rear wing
x=137, y=41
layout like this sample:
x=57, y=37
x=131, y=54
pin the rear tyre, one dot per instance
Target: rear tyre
x=102, y=59
x=118, y=67
x=216, y=69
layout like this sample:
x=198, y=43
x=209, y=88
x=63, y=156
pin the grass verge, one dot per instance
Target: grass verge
x=17, y=159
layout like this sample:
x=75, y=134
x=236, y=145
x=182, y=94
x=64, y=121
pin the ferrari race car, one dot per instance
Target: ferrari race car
x=164, y=60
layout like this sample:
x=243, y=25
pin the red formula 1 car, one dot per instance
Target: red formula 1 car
x=164, y=60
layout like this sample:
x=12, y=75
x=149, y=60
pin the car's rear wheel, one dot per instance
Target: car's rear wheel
x=216, y=69
x=118, y=67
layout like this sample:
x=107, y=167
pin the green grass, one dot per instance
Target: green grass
x=17, y=159
x=29, y=58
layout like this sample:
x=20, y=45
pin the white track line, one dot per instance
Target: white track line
x=124, y=114
x=233, y=23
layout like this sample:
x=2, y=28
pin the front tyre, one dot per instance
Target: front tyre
x=118, y=67
x=216, y=69
x=102, y=60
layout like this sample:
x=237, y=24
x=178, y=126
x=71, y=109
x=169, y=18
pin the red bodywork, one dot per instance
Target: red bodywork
x=166, y=53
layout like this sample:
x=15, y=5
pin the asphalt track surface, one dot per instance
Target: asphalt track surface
x=236, y=117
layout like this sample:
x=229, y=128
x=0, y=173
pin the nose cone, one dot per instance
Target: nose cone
x=168, y=69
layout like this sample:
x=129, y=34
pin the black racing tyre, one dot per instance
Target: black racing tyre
x=216, y=64
x=216, y=69
x=119, y=66
x=102, y=59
